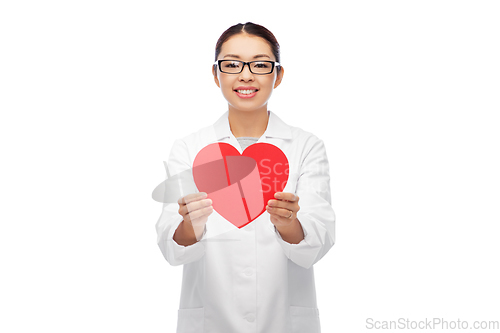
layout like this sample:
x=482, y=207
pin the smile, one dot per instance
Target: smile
x=246, y=93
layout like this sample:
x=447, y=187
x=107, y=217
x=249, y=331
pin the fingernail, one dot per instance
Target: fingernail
x=277, y=195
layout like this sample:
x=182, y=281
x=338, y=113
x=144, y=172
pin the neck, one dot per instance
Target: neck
x=248, y=123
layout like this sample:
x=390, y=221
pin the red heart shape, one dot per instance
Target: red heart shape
x=240, y=185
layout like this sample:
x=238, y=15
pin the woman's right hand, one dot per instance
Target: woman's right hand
x=195, y=209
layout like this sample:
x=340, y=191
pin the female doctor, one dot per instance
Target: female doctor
x=258, y=278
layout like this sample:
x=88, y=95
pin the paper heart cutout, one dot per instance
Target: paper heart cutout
x=240, y=185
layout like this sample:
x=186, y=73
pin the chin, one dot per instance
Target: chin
x=243, y=108
x=247, y=107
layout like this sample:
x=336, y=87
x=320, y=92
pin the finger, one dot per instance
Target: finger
x=283, y=204
x=192, y=197
x=194, y=206
x=200, y=213
x=199, y=221
x=280, y=212
x=286, y=196
x=280, y=221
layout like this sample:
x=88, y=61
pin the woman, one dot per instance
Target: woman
x=257, y=278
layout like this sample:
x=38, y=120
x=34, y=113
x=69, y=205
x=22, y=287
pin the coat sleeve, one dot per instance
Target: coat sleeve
x=170, y=218
x=316, y=214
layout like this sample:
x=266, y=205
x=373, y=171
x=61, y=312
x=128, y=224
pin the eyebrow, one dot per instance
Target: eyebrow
x=238, y=57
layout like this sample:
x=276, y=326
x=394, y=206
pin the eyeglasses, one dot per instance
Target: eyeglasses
x=256, y=67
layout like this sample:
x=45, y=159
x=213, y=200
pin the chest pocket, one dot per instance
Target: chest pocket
x=190, y=320
x=304, y=319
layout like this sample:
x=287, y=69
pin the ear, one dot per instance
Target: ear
x=279, y=77
x=216, y=79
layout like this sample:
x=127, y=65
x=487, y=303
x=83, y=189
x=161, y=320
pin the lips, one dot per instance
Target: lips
x=246, y=91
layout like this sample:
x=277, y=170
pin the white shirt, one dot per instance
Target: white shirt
x=250, y=279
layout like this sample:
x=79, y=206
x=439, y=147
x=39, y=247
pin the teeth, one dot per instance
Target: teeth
x=246, y=92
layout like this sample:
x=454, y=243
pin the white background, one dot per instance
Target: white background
x=405, y=95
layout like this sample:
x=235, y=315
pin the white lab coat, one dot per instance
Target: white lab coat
x=249, y=279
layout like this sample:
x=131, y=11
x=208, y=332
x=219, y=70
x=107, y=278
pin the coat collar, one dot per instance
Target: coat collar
x=276, y=128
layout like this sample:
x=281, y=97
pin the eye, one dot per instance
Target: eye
x=231, y=64
x=262, y=65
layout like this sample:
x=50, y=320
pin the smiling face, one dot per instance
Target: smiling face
x=246, y=91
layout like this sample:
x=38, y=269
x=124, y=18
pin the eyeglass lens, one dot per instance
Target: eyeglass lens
x=234, y=67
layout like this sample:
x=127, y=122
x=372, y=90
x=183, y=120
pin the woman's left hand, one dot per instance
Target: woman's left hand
x=283, y=209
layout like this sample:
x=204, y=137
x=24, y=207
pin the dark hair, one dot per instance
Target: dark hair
x=251, y=29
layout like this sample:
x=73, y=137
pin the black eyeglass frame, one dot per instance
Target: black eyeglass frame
x=273, y=63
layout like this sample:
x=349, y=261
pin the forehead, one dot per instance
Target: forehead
x=246, y=47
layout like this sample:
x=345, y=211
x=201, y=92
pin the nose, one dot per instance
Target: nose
x=245, y=74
